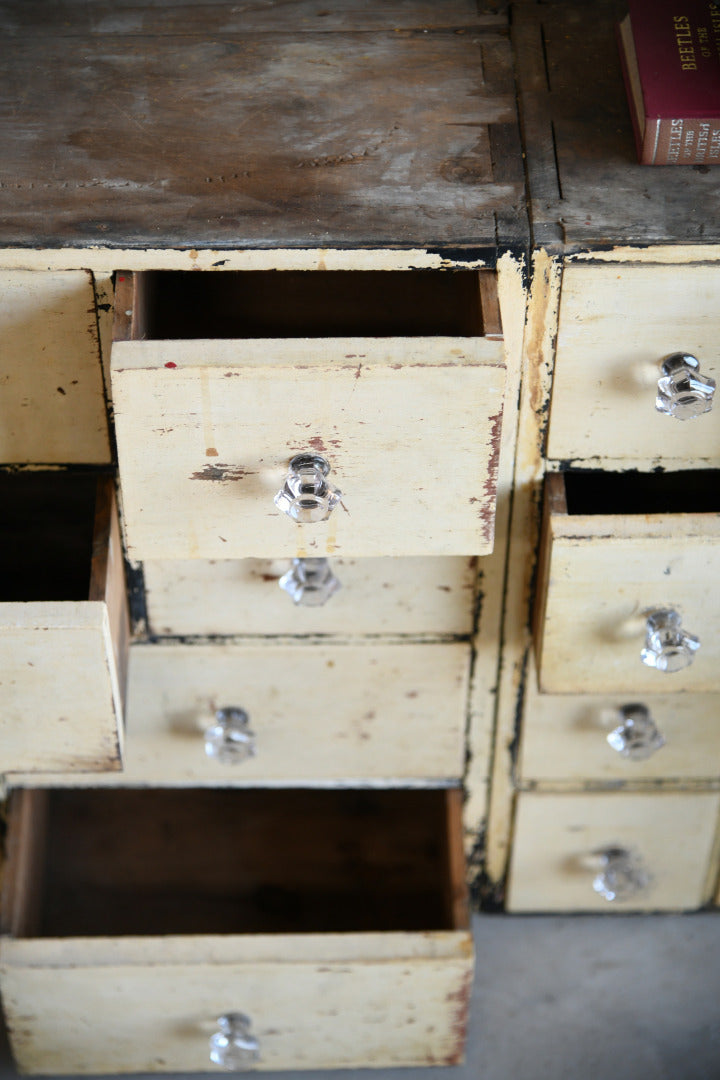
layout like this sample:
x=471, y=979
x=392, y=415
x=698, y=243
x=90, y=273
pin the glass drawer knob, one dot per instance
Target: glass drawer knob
x=622, y=874
x=233, y=1046
x=310, y=582
x=229, y=740
x=682, y=391
x=637, y=736
x=306, y=495
x=667, y=646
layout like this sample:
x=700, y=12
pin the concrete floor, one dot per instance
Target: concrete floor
x=582, y=998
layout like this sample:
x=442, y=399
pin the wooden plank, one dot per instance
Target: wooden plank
x=309, y=163
x=23, y=870
x=107, y=579
x=53, y=400
x=105, y=18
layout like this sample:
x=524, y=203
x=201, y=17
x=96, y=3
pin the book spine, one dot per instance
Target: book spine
x=681, y=141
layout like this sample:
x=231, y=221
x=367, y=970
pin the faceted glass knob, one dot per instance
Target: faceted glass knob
x=637, y=736
x=310, y=582
x=233, y=1046
x=622, y=876
x=682, y=391
x=229, y=740
x=306, y=495
x=667, y=646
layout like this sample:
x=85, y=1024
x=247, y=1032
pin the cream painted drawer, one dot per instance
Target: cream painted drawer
x=564, y=843
x=336, y=921
x=52, y=407
x=604, y=574
x=375, y=596
x=327, y=714
x=616, y=325
x=393, y=379
x=63, y=623
x=565, y=737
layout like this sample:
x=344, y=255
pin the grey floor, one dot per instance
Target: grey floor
x=582, y=998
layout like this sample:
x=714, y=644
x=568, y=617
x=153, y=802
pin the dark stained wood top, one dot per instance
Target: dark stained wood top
x=258, y=124
x=586, y=188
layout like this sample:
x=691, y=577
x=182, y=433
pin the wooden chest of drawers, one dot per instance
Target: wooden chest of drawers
x=328, y=279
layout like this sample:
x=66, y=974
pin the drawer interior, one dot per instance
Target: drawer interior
x=144, y=861
x=51, y=524
x=688, y=491
x=169, y=305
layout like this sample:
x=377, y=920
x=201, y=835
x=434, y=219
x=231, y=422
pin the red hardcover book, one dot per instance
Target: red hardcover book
x=670, y=50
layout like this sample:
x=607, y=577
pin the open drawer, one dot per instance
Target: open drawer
x=374, y=397
x=628, y=583
x=297, y=712
x=336, y=922
x=63, y=623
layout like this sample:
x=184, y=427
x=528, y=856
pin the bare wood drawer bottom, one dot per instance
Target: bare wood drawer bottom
x=337, y=921
x=561, y=842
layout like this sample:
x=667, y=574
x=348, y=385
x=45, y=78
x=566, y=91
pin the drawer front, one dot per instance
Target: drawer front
x=61, y=693
x=53, y=402
x=317, y=713
x=602, y=737
x=62, y=664
x=372, y=596
x=409, y=428
x=624, y=599
x=315, y=1002
x=563, y=843
x=616, y=325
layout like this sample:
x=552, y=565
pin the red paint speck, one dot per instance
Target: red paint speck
x=171, y=363
x=121, y=279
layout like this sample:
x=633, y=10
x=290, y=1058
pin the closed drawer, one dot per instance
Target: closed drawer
x=316, y=713
x=367, y=596
x=52, y=409
x=616, y=326
x=607, y=577
x=336, y=921
x=391, y=381
x=572, y=852
x=63, y=623
x=572, y=738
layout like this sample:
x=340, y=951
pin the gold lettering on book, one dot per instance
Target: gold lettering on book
x=683, y=37
x=675, y=141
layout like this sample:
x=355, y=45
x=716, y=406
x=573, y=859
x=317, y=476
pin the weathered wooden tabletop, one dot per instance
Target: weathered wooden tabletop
x=586, y=188
x=276, y=123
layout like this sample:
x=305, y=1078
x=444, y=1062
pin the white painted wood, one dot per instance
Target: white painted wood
x=564, y=738
x=84, y=1006
x=538, y=354
x=103, y=259
x=606, y=572
x=552, y=866
x=410, y=428
x=377, y=596
x=616, y=323
x=331, y=713
x=61, y=705
x=512, y=296
x=52, y=406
